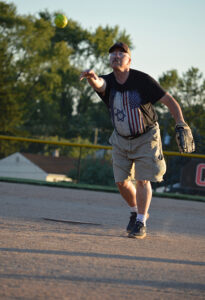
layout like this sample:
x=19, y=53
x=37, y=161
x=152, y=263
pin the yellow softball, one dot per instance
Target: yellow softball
x=61, y=21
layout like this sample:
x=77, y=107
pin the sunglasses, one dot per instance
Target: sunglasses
x=118, y=53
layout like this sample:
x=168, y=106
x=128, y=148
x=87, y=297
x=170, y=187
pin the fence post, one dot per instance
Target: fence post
x=79, y=164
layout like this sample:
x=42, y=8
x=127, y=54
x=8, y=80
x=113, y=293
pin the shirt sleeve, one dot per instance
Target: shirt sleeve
x=153, y=90
x=105, y=96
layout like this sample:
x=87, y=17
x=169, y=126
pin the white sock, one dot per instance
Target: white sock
x=141, y=218
x=133, y=208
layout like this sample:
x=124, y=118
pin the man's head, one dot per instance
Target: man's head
x=121, y=46
x=120, y=56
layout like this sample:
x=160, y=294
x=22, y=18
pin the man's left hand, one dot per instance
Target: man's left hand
x=184, y=138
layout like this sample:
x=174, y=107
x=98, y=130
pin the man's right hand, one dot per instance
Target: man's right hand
x=97, y=83
x=88, y=74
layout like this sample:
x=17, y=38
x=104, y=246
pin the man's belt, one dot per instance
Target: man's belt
x=131, y=137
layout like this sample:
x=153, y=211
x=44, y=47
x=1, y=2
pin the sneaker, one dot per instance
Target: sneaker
x=132, y=222
x=139, y=231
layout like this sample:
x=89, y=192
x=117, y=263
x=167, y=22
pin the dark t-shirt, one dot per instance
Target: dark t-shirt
x=130, y=104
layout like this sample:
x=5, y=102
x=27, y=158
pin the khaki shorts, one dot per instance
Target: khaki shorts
x=141, y=157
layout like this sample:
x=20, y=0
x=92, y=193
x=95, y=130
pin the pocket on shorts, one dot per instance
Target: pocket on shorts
x=157, y=151
x=156, y=146
x=159, y=166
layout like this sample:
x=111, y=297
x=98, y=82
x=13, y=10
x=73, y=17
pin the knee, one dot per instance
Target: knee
x=142, y=183
x=122, y=184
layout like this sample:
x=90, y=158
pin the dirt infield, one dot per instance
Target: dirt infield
x=41, y=259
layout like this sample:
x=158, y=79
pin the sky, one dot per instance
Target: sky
x=166, y=34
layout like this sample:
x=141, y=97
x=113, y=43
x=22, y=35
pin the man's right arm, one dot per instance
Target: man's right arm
x=97, y=83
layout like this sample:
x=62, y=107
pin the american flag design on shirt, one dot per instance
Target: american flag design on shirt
x=127, y=115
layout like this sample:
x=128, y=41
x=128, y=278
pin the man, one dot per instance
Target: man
x=130, y=95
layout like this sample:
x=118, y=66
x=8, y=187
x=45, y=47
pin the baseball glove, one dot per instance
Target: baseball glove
x=184, y=138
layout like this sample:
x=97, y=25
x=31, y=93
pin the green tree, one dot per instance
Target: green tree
x=11, y=108
x=189, y=90
x=94, y=171
x=44, y=96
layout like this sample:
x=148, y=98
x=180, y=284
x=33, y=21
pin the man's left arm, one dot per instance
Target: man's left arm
x=184, y=136
x=173, y=107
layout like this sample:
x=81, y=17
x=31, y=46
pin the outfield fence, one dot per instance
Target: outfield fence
x=185, y=172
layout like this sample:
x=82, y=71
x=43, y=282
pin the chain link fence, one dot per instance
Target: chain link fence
x=57, y=161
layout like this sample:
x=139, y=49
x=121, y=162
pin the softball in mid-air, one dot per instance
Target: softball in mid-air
x=61, y=21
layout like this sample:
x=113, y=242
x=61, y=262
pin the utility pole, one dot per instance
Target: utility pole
x=96, y=136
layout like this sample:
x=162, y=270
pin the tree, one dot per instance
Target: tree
x=44, y=96
x=94, y=171
x=11, y=109
x=189, y=90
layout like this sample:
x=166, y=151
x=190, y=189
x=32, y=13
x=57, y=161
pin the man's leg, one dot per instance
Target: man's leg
x=144, y=192
x=140, y=197
x=128, y=192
